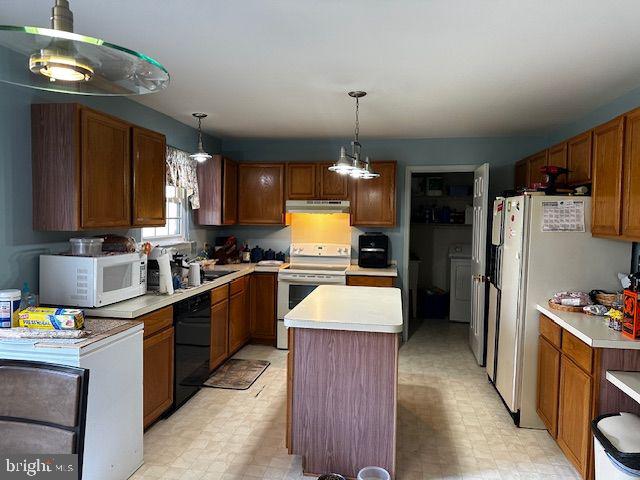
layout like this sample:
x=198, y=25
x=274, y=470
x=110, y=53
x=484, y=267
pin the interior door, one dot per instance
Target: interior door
x=478, y=262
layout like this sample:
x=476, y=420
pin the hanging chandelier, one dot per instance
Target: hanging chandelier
x=58, y=60
x=352, y=163
x=200, y=155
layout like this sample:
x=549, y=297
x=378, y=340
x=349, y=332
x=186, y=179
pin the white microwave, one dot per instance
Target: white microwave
x=92, y=282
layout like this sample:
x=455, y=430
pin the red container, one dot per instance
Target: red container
x=631, y=320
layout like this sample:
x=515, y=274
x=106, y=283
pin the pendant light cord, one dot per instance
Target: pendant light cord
x=357, y=127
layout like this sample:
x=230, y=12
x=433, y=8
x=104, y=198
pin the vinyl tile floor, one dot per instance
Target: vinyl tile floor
x=451, y=424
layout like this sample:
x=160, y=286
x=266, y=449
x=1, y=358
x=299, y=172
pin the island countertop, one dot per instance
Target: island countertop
x=339, y=307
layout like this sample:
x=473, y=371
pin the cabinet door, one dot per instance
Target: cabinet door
x=301, y=181
x=548, y=385
x=105, y=165
x=521, y=174
x=536, y=162
x=558, y=157
x=375, y=199
x=260, y=193
x=149, y=178
x=631, y=176
x=607, y=178
x=210, y=187
x=331, y=185
x=579, y=159
x=574, y=416
x=238, y=321
x=263, y=306
x=229, y=192
x=219, y=334
x=157, y=375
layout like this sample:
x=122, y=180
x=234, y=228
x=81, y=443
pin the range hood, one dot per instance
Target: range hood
x=317, y=206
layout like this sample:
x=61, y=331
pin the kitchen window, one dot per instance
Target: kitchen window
x=175, y=230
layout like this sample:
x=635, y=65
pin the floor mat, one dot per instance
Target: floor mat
x=237, y=374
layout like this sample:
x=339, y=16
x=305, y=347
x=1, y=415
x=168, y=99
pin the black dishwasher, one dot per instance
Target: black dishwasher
x=192, y=322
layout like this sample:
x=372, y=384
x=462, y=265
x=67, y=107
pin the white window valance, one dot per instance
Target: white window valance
x=181, y=172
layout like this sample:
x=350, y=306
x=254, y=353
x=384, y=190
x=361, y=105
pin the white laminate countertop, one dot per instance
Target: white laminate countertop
x=341, y=307
x=138, y=306
x=628, y=382
x=591, y=329
x=390, y=271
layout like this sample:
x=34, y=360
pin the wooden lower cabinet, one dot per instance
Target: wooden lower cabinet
x=548, y=385
x=219, y=327
x=239, y=328
x=574, y=414
x=157, y=374
x=370, y=281
x=263, y=295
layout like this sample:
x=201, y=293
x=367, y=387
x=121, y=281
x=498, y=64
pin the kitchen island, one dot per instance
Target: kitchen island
x=342, y=379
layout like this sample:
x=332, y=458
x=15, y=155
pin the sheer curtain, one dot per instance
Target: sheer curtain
x=181, y=172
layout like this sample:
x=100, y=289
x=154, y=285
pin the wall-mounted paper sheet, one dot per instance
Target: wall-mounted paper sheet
x=563, y=216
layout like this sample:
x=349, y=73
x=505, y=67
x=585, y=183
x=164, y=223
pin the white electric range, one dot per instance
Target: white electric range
x=310, y=265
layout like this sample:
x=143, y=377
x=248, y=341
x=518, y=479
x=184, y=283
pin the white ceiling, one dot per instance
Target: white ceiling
x=439, y=68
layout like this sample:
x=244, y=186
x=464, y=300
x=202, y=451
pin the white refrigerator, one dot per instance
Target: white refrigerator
x=544, y=252
x=495, y=284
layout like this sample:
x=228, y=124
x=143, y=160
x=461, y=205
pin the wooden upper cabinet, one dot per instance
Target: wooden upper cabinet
x=331, y=185
x=631, y=176
x=302, y=183
x=105, y=163
x=579, y=158
x=535, y=163
x=83, y=173
x=218, y=185
x=607, y=178
x=521, y=174
x=557, y=156
x=374, y=200
x=149, y=177
x=261, y=193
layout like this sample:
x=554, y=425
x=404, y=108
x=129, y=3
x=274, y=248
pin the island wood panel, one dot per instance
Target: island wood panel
x=105, y=178
x=149, y=177
x=55, y=157
x=344, y=391
x=607, y=178
x=611, y=398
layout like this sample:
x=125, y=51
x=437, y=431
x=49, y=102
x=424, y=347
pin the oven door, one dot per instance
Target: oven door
x=120, y=277
x=294, y=288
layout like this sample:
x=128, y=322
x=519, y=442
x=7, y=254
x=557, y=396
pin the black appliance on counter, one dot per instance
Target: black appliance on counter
x=192, y=323
x=373, y=250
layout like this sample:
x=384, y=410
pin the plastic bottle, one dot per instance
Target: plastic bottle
x=28, y=298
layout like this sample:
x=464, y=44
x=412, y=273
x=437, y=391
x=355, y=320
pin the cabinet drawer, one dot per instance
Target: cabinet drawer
x=156, y=321
x=370, y=281
x=219, y=294
x=237, y=286
x=551, y=331
x=577, y=350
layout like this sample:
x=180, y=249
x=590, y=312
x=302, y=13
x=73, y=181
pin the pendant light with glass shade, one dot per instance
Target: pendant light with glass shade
x=58, y=60
x=351, y=163
x=200, y=155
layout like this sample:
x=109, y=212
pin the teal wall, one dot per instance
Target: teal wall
x=500, y=153
x=19, y=244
